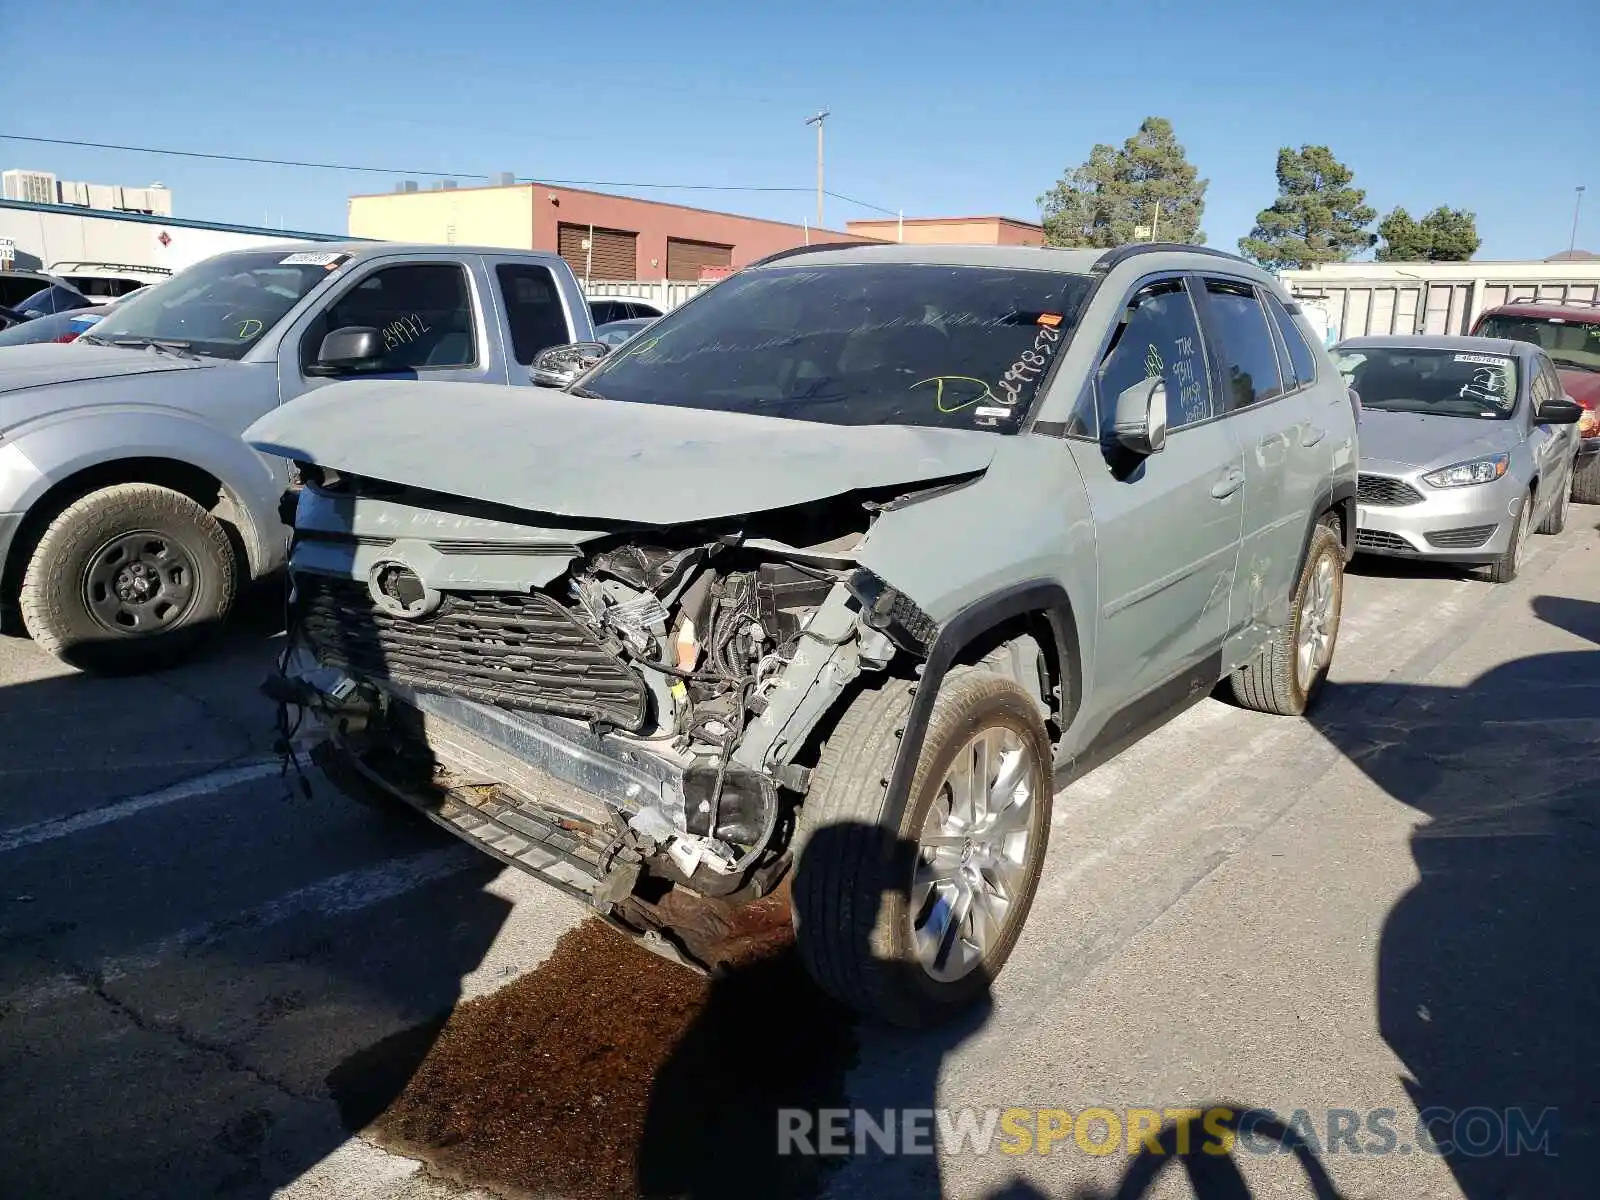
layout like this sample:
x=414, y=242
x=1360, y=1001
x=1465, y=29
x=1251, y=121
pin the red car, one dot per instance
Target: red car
x=1570, y=334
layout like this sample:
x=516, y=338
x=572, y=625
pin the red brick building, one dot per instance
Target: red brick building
x=603, y=236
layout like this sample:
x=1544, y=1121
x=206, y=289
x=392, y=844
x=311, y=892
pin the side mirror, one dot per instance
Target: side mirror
x=348, y=351
x=1560, y=412
x=1141, y=420
x=557, y=366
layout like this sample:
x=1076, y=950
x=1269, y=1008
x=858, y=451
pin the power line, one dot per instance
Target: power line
x=327, y=166
x=863, y=204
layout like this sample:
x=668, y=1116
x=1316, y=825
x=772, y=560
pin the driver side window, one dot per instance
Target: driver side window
x=421, y=310
x=1158, y=337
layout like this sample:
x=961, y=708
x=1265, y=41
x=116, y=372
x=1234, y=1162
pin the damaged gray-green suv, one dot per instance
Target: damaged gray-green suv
x=807, y=599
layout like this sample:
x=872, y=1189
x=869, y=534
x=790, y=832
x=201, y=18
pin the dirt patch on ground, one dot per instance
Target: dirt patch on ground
x=610, y=1072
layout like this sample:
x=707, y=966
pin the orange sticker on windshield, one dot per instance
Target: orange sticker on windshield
x=1050, y=319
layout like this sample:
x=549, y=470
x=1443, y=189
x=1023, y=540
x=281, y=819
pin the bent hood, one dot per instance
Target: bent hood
x=48, y=363
x=546, y=451
x=1410, y=440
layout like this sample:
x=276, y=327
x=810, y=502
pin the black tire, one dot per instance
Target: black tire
x=852, y=882
x=1504, y=569
x=1272, y=683
x=1586, y=480
x=1556, y=519
x=70, y=586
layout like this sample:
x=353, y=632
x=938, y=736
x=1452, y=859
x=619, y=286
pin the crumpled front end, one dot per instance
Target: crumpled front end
x=627, y=713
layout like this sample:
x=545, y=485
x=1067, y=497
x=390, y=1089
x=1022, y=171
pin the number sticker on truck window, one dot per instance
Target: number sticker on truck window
x=313, y=258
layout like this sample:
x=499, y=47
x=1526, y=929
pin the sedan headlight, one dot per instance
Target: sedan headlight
x=1462, y=474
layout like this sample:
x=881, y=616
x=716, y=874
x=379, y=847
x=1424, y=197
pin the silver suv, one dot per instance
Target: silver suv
x=828, y=580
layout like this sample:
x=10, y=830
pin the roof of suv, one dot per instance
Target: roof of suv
x=1034, y=258
x=1578, y=312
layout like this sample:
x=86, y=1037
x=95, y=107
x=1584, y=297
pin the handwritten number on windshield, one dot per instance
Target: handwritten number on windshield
x=1030, y=364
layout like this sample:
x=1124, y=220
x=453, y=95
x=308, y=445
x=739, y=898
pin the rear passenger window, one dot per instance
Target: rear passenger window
x=1158, y=337
x=1244, y=345
x=533, y=309
x=1301, y=359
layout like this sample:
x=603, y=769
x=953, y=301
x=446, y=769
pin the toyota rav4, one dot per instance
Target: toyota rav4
x=859, y=556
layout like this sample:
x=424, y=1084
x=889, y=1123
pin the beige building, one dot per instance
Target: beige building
x=946, y=231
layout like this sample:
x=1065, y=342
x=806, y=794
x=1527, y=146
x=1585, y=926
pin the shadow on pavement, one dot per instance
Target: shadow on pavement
x=188, y=985
x=768, y=1052
x=1489, y=968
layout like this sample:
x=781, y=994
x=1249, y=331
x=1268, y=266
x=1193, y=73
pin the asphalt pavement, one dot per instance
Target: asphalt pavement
x=1386, y=908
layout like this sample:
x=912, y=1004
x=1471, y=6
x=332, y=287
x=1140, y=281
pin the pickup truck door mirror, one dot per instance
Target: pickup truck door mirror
x=349, y=351
x=557, y=366
x=1141, y=419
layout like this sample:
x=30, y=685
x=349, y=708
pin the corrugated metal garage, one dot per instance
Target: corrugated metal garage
x=614, y=254
x=685, y=258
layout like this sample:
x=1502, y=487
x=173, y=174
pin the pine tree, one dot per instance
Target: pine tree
x=1318, y=216
x=1148, y=185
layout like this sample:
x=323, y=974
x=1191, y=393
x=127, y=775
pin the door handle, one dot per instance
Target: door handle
x=1310, y=435
x=1227, y=485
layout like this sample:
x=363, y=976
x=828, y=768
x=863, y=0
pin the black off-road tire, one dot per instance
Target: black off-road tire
x=1556, y=519
x=1504, y=569
x=53, y=596
x=853, y=874
x=1272, y=683
x=1586, y=480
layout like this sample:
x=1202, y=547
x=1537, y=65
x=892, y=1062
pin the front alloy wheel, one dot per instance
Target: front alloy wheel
x=974, y=855
x=907, y=913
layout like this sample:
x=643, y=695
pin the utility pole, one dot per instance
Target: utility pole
x=1577, y=204
x=1155, y=224
x=817, y=121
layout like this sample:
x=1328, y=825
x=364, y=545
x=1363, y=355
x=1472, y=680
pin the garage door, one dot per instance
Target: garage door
x=615, y=251
x=685, y=258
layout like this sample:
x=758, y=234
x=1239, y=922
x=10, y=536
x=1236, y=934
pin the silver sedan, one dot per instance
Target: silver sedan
x=1467, y=445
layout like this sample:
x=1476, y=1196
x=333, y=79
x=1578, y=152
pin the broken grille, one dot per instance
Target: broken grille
x=516, y=651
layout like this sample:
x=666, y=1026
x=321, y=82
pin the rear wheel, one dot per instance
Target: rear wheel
x=1586, y=480
x=1289, y=671
x=127, y=579
x=910, y=923
x=1505, y=568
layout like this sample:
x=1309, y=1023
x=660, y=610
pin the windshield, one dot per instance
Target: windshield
x=1571, y=344
x=1446, y=383
x=864, y=344
x=220, y=307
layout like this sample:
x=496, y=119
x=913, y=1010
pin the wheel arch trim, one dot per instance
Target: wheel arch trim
x=1044, y=598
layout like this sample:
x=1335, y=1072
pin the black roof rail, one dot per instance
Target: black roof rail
x=1118, y=255
x=795, y=250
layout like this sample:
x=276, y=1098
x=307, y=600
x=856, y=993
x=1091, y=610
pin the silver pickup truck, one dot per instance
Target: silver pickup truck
x=130, y=508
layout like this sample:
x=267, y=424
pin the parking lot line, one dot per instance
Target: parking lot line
x=335, y=896
x=201, y=785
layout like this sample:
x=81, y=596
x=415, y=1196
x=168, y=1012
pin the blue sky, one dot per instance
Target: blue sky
x=939, y=109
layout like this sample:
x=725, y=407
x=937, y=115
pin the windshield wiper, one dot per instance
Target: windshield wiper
x=584, y=394
x=176, y=349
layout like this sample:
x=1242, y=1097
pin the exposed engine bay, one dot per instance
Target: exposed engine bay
x=638, y=728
